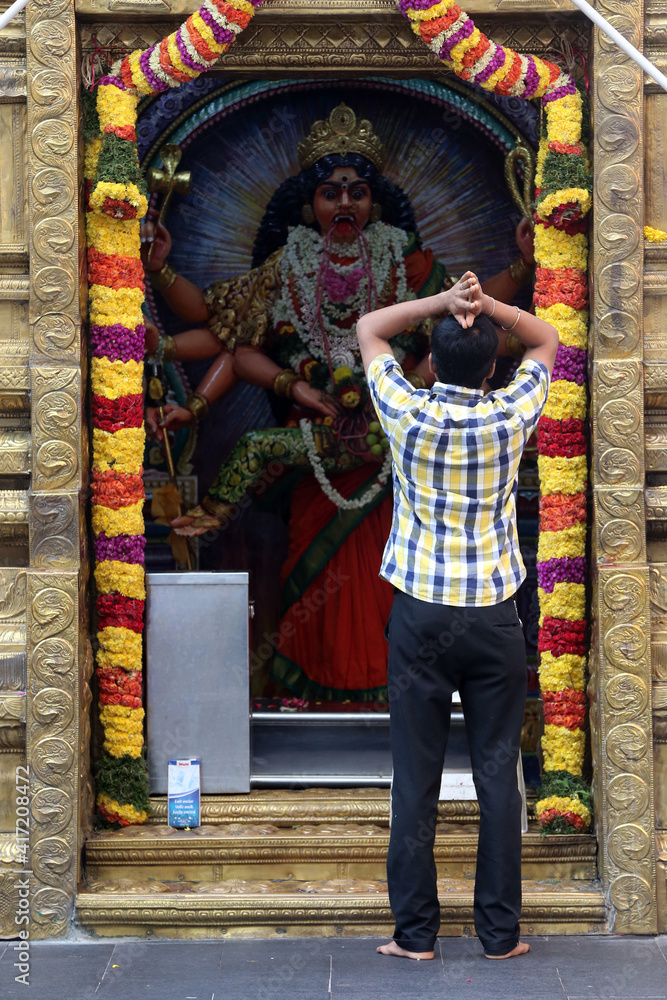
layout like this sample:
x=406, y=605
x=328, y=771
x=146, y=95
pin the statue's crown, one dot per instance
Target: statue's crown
x=341, y=133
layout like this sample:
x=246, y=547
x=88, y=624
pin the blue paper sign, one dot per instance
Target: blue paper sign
x=183, y=787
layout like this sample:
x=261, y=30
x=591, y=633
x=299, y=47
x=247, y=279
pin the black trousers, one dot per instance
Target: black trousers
x=434, y=650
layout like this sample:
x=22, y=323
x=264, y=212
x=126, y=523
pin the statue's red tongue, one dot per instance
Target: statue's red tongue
x=343, y=228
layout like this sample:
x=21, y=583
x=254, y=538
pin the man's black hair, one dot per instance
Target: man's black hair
x=464, y=357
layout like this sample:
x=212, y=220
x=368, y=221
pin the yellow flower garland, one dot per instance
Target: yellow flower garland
x=566, y=400
x=564, y=119
x=126, y=578
x=119, y=744
x=567, y=600
x=91, y=156
x=417, y=16
x=124, y=521
x=126, y=812
x=553, y=201
x=116, y=108
x=113, y=236
x=560, y=673
x=125, y=719
x=563, y=475
x=570, y=542
x=118, y=639
x=129, y=662
x=122, y=451
x=119, y=192
x=572, y=324
x=564, y=804
x=106, y=304
x=555, y=248
x=563, y=749
x=113, y=379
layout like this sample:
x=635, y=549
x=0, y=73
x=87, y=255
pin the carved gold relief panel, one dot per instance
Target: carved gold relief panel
x=13, y=193
x=56, y=428
x=655, y=309
x=365, y=10
x=305, y=40
x=661, y=798
x=662, y=881
x=57, y=678
x=53, y=747
x=619, y=525
x=13, y=609
x=14, y=333
x=621, y=682
x=656, y=165
x=625, y=739
x=618, y=400
x=52, y=138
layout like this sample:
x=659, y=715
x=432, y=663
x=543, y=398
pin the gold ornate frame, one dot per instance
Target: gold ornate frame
x=43, y=586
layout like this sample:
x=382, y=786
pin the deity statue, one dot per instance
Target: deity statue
x=336, y=241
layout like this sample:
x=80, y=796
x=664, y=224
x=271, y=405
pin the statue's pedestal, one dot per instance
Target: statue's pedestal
x=197, y=685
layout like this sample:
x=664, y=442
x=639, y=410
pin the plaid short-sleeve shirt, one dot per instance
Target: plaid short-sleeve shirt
x=456, y=455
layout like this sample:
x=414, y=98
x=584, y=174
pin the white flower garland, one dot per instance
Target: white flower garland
x=300, y=265
x=337, y=498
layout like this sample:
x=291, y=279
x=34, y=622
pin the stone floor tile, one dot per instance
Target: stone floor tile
x=601, y=967
x=287, y=969
x=57, y=970
x=168, y=970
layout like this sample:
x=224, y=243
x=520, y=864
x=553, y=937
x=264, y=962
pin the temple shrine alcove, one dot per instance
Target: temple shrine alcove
x=312, y=860
x=446, y=148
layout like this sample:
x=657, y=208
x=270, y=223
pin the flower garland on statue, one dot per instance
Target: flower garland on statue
x=562, y=201
x=337, y=498
x=116, y=202
x=344, y=296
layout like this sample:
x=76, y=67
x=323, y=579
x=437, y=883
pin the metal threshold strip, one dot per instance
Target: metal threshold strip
x=320, y=780
x=361, y=719
x=340, y=780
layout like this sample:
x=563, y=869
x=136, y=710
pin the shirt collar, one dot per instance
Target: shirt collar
x=457, y=393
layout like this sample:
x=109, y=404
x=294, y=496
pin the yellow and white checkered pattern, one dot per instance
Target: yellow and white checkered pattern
x=456, y=455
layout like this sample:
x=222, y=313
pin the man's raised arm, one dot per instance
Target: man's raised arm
x=375, y=329
x=539, y=337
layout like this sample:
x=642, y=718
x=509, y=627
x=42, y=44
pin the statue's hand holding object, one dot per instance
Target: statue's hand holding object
x=525, y=241
x=313, y=399
x=154, y=234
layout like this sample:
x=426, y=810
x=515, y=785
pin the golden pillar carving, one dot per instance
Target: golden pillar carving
x=52, y=743
x=620, y=686
x=58, y=697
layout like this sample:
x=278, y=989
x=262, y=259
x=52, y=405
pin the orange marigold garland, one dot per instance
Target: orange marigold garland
x=116, y=202
x=563, y=199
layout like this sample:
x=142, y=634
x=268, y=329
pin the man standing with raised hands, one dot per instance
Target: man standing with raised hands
x=453, y=558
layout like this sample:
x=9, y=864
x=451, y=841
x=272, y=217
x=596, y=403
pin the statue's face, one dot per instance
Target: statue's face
x=341, y=201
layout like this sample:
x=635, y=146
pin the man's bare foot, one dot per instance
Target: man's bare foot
x=393, y=949
x=521, y=949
